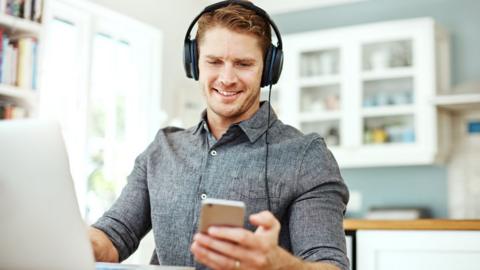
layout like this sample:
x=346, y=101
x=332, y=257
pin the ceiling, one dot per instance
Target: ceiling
x=284, y=6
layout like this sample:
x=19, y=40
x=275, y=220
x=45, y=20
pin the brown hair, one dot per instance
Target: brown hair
x=239, y=19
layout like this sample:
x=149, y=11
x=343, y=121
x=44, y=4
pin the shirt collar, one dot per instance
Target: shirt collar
x=202, y=123
x=257, y=124
x=254, y=127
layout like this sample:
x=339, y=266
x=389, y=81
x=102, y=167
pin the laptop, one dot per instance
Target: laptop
x=40, y=222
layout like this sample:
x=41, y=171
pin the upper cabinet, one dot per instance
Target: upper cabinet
x=368, y=90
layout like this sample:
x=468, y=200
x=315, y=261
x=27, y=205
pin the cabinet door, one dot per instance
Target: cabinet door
x=418, y=250
x=313, y=85
x=397, y=79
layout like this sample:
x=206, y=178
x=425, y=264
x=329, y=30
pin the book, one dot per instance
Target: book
x=16, y=7
x=1, y=52
x=34, y=66
x=38, y=10
x=13, y=64
x=11, y=111
x=7, y=111
x=18, y=112
x=27, y=9
x=9, y=7
x=3, y=6
x=25, y=62
x=2, y=110
x=5, y=58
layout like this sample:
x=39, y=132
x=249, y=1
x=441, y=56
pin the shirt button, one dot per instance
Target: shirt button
x=203, y=196
x=213, y=153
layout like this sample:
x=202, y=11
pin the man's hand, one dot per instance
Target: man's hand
x=237, y=248
x=103, y=248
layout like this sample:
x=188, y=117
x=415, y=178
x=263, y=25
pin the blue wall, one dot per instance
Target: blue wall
x=403, y=186
x=461, y=18
x=421, y=186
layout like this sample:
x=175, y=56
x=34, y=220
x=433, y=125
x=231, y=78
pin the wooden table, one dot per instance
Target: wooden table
x=440, y=244
x=420, y=224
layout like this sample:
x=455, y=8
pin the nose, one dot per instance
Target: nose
x=228, y=75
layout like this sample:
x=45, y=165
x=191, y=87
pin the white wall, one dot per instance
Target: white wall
x=172, y=18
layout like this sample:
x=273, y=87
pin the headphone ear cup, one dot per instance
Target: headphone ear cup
x=277, y=66
x=190, y=59
x=187, y=58
x=194, y=56
x=266, y=67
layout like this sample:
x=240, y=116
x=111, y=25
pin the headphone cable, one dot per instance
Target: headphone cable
x=267, y=191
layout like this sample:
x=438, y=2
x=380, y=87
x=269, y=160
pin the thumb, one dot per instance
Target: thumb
x=264, y=219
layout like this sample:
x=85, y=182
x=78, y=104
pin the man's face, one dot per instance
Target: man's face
x=230, y=66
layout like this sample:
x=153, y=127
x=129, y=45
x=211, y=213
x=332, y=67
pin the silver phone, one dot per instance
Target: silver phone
x=217, y=212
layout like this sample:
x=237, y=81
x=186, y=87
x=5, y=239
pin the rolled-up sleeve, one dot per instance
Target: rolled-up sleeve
x=128, y=220
x=316, y=215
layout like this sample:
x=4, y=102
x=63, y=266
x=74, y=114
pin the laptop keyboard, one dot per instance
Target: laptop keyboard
x=116, y=266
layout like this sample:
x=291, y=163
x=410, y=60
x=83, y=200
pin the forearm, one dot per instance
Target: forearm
x=103, y=248
x=288, y=261
x=128, y=219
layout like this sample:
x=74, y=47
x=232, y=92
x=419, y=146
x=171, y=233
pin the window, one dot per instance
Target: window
x=100, y=81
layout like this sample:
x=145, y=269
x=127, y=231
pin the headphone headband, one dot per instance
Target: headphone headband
x=243, y=3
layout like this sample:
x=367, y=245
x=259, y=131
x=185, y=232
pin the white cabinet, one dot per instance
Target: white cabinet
x=368, y=90
x=417, y=250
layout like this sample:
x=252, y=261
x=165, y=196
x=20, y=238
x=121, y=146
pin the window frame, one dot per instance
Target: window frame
x=90, y=19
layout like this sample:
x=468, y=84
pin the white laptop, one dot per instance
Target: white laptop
x=40, y=223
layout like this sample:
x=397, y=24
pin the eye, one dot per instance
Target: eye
x=245, y=64
x=214, y=62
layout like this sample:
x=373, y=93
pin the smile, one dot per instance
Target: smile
x=227, y=93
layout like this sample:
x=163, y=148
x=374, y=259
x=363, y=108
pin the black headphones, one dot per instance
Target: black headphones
x=273, y=60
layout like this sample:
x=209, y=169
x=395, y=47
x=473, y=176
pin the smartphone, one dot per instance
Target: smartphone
x=217, y=212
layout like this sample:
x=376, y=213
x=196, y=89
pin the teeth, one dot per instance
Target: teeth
x=227, y=93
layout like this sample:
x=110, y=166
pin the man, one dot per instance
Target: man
x=224, y=157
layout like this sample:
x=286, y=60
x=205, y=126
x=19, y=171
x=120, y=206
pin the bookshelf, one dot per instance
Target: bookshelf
x=20, y=35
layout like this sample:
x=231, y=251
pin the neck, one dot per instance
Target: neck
x=219, y=124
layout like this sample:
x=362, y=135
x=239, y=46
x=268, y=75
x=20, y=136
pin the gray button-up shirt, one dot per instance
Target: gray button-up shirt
x=183, y=166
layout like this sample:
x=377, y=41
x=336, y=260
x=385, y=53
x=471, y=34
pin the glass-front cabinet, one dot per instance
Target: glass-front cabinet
x=367, y=90
x=388, y=92
x=320, y=93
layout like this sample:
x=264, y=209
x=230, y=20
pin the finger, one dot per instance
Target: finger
x=265, y=219
x=210, y=258
x=202, y=255
x=239, y=236
x=226, y=248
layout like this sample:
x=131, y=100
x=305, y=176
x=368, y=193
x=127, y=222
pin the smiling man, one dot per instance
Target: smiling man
x=295, y=214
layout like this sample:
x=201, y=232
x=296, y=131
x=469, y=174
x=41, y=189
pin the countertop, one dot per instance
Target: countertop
x=420, y=224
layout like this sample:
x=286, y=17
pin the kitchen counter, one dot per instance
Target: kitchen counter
x=420, y=224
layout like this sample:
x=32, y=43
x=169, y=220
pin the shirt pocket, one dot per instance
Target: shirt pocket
x=254, y=192
x=257, y=188
x=252, y=178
